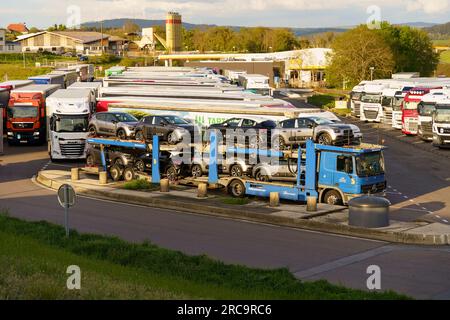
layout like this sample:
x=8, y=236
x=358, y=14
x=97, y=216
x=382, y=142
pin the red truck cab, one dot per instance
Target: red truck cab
x=410, y=113
x=26, y=114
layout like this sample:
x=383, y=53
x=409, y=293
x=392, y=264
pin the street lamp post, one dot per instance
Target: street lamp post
x=372, y=69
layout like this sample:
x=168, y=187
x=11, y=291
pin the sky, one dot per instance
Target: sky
x=271, y=13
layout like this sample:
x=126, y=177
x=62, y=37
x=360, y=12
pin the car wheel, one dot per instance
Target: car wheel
x=325, y=139
x=196, y=171
x=278, y=143
x=92, y=131
x=333, y=197
x=139, y=165
x=90, y=161
x=237, y=189
x=171, y=138
x=172, y=173
x=140, y=136
x=116, y=172
x=259, y=176
x=121, y=134
x=129, y=174
x=236, y=171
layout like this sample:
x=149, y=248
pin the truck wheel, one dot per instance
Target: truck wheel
x=196, y=171
x=116, y=172
x=325, y=139
x=259, y=176
x=333, y=197
x=139, y=165
x=121, y=134
x=92, y=131
x=129, y=174
x=139, y=136
x=236, y=171
x=237, y=189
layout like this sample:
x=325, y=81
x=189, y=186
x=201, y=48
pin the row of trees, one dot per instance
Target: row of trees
x=386, y=50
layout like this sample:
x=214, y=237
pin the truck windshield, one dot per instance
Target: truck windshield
x=426, y=109
x=356, y=96
x=371, y=164
x=22, y=112
x=387, y=101
x=397, y=105
x=71, y=124
x=410, y=105
x=442, y=115
x=371, y=98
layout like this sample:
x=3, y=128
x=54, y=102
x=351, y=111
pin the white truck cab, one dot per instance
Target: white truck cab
x=68, y=113
x=355, y=98
x=426, y=108
x=256, y=83
x=371, y=109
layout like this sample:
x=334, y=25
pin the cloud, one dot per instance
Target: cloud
x=429, y=6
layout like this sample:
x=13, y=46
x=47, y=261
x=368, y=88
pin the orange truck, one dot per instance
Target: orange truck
x=26, y=114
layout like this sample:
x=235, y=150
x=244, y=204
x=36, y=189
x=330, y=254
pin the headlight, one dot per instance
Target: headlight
x=10, y=134
x=337, y=130
x=442, y=130
x=35, y=133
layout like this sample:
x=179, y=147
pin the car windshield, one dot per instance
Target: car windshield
x=22, y=112
x=371, y=164
x=175, y=120
x=426, y=109
x=371, y=98
x=442, y=115
x=410, y=105
x=71, y=124
x=125, y=117
x=322, y=121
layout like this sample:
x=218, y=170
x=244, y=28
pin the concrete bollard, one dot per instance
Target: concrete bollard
x=311, y=204
x=75, y=174
x=274, y=199
x=164, y=184
x=202, y=190
x=103, y=177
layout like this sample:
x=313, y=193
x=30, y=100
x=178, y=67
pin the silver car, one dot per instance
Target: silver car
x=277, y=170
x=119, y=124
x=233, y=166
x=323, y=131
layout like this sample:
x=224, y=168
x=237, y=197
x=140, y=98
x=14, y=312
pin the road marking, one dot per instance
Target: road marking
x=445, y=220
x=339, y=263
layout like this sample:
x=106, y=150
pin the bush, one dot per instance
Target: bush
x=322, y=100
x=138, y=114
x=140, y=184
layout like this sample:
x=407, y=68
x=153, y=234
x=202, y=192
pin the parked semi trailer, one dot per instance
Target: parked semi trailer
x=441, y=124
x=68, y=114
x=26, y=113
x=426, y=108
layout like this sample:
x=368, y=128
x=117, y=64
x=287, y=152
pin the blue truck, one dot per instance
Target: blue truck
x=334, y=175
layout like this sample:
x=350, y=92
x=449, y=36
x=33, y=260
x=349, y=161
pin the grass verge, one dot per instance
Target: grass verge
x=140, y=184
x=34, y=257
x=235, y=201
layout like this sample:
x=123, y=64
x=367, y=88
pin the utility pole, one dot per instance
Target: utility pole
x=101, y=31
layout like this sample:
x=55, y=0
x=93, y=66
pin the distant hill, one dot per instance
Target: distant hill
x=419, y=25
x=143, y=23
x=440, y=29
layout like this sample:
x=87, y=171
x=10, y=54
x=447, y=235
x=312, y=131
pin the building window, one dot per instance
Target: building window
x=1, y=38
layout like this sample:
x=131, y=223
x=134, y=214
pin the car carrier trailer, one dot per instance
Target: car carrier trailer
x=333, y=175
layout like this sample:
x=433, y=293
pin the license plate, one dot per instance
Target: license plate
x=23, y=141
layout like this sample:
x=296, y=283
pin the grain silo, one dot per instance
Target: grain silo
x=174, y=36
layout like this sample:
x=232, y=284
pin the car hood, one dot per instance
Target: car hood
x=342, y=126
x=129, y=124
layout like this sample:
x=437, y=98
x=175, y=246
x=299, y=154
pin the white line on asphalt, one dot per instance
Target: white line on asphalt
x=410, y=209
x=446, y=221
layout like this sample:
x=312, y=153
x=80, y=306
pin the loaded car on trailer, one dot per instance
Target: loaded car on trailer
x=118, y=124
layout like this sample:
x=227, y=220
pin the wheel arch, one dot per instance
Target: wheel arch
x=323, y=191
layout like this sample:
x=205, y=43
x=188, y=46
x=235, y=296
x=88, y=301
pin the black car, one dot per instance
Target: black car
x=257, y=131
x=172, y=129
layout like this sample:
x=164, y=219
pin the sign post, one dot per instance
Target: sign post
x=66, y=198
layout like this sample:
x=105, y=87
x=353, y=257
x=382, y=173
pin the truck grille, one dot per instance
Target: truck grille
x=374, y=188
x=411, y=124
x=387, y=117
x=446, y=130
x=370, y=114
x=357, y=110
x=72, y=149
x=427, y=127
x=22, y=125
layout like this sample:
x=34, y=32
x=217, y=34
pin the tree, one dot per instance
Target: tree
x=130, y=27
x=412, y=49
x=355, y=52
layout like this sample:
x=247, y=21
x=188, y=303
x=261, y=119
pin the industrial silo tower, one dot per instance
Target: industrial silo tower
x=174, y=36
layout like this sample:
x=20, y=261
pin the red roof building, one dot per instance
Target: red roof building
x=18, y=27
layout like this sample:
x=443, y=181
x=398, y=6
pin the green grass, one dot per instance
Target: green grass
x=18, y=72
x=445, y=57
x=445, y=42
x=341, y=112
x=34, y=257
x=235, y=201
x=140, y=184
x=322, y=100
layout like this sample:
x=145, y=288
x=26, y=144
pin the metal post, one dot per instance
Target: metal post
x=102, y=156
x=299, y=167
x=156, y=176
x=311, y=169
x=213, y=176
x=66, y=210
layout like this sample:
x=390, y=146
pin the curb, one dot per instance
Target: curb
x=299, y=223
